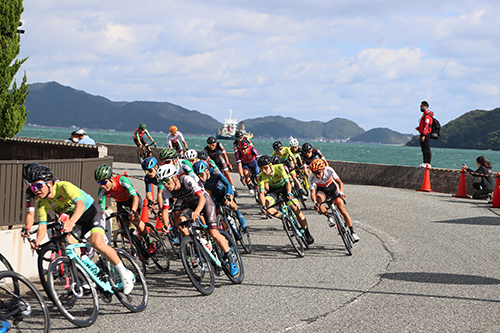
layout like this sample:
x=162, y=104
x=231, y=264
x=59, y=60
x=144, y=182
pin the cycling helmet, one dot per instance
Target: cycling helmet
x=275, y=159
x=102, y=173
x=168, y=154
x=142, y=126
x=200, y=167
x=190, y=154
x=148, y=163
x=243, y=144
x=264, y=160
x=173, y=129
x=238, y=134
x=306, y=146
x=211, y=140
x=39, y=172
x=277, y=145
x=28, y=168
x=293, y=142
x=166, y=171
x=317, y=165
x=202, y=155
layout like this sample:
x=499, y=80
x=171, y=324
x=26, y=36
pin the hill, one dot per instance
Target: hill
x=382, y=135
x=478, y=129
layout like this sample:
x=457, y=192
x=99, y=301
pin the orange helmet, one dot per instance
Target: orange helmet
x=317, y=165
x=173, y=129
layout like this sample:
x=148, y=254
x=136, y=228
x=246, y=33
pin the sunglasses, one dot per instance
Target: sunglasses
x=167, y=162
x=37, y=186
x=166, y=181
x=104, y=182
x=148, y=171
x=318, y=173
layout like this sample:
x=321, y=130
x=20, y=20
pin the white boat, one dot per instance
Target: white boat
x=230, y=127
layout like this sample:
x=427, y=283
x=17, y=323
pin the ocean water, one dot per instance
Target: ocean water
x=365, y=153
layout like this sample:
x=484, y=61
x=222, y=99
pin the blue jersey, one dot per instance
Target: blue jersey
x=218, y=185
x=148, y=181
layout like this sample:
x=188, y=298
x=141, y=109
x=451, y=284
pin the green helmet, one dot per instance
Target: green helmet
x=142, y=126
x=168, y=154
x=102, y=173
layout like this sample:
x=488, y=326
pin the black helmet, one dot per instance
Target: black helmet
x=211, y=140
x=264, y=160
x=306, y=146
x=238, y=134
x=39, y=172
x=202, y=155
x=277, y=145
x=275, y=159
x=27, y=169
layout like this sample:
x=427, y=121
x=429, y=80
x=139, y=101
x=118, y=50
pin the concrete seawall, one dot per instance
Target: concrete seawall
x=352, y=172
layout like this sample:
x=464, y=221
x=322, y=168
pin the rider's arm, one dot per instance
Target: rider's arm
x=79, y=210
x=199, y=207
x=101, y=195
x=226, y=182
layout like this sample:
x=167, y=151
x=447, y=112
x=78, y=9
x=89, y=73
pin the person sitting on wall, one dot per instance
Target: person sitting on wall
x=74, y=138
x=487, y=184
x=84, y=138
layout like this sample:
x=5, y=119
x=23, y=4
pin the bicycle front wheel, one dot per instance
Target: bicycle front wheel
x=292, y=234
x=74, y=295
x=46, y=256
x=161, y=257
x=137, y=300
x=238, y=278
x=197, y=265
x=23, y=307
x=343, y=232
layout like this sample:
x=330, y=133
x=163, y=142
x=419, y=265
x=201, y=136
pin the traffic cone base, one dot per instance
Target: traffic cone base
x=426, y=183
x=462, y=189
x=496, y=193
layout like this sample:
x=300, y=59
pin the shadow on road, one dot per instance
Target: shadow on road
x=441, y=278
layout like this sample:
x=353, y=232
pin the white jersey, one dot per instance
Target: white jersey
x=174, y=138
x=329, y=176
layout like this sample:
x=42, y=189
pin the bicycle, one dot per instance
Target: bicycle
x=75, y=283
x=297, y=193
x=126, y=239
x=202, y=258
x=21, y=305
x=171, y=234
x=291, y=225
x=230, y=220
x=146, y=151
x=342, y=229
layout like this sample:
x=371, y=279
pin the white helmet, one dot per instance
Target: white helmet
x=293, y=142
x=166, y=171
x=190, y=154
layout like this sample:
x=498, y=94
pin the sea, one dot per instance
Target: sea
x=443, y=158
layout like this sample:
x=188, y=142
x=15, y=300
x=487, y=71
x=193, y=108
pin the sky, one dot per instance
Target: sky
x=369, y=61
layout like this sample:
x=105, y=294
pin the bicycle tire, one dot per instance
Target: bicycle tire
x=140, y=156
x=25, y=306
x=296, y=193
x=224, y=217
x=174, y=238
x=343, y=232
x=244, y=237
x=238, y=278
x=161, y=257
x=82, y=310
x=121, y=240
x=292, y=235
x=137, y=300
x=297, y=227
x=5, y=263
x=197, y=265
x=46, y=255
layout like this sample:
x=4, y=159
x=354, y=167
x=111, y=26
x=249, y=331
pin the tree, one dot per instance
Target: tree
x=12, y=110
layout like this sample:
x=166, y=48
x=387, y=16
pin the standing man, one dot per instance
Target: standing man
x=425, y=128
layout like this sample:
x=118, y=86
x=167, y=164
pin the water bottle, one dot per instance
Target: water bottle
x=204, y=242
x=233, y=223
x=90, y=264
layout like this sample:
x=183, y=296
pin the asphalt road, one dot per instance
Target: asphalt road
x=426, y=262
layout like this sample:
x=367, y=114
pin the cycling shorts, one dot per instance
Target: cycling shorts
x=93, y=220
x=274, y=192
x=128, y=203
x=331, y=191
x=252, y=167
x=137, y=142
x=221, y=163
x=177, y=146
x=209, y=211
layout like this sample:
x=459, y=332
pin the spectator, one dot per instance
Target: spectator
x=425, y=128
x=487, y=184
x=84, y=138
x=74, y=138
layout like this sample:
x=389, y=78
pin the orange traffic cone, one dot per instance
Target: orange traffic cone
x=125, y=174
x=152, y=192
x=462, y=190
x=496, y=193
x=426, y=183
x=159, y=224
x=145, y=211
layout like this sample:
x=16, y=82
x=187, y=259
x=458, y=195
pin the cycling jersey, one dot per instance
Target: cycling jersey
x=277, y=179
x=287, y=154
x=63, y=201
x=148, y=181
x=216, y=155
x=237, y=142
x=329, y=176
x=175, y=138
x=315, y=154
x=138, y=134
x=247, y=158
x=121, y=191
x=218, y=185
x=184, y=167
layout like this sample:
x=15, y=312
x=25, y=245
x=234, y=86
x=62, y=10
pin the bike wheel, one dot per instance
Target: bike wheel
x=161, y=257
x=238, y=278
x=141, y=156
x=137, y=300
x=197, y=265
x=121, y=240
x=343, y=231
x=5, y=264
x=46, y=255
x=296, y=193
x=23, y=308
x=243, y=237
x=292, y=235
x=80, y=305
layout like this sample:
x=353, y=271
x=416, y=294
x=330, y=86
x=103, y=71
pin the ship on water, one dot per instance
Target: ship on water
x=230, y=127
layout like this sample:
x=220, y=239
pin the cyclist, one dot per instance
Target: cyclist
x=190, y=201
x=203, y=156
x=139, y=137
x=217, y=153
x=239, y=136
x=184, y=167
x=173, y=140
x=221, y=190
x=150, y=167
x=288, y=160
x=191, y=155
x=277, y=181
x=120, y=189
x=85, y=215
x=246, y=159
x=326, y=183
x=309, y=154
